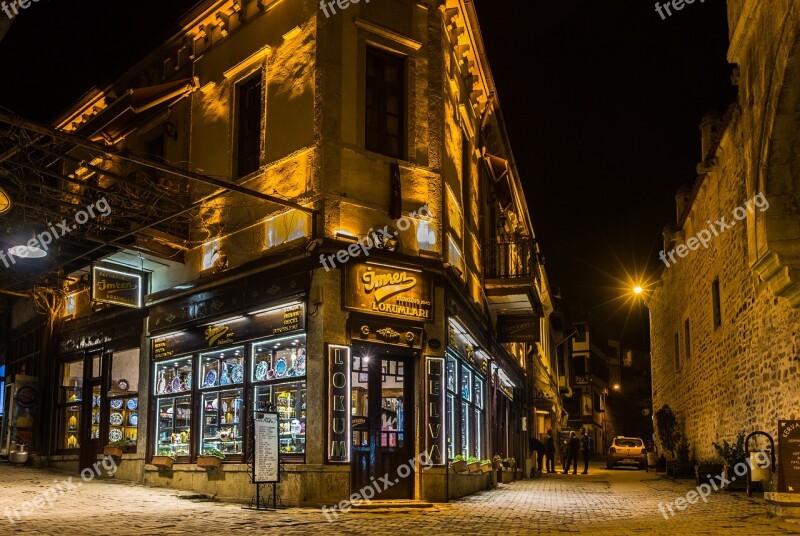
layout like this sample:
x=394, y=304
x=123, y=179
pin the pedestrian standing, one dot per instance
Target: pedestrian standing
x=586, y=449
x=573, y=447
x=537, y=448
x=550, y=452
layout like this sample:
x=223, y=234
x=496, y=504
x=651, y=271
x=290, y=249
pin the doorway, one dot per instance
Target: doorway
x=92, y=429
x=383, y=424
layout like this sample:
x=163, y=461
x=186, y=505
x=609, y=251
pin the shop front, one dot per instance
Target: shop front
x=389, y=308
x=215, y=357
x=97, y=391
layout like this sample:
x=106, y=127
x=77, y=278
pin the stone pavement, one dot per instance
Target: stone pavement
x=604, y=502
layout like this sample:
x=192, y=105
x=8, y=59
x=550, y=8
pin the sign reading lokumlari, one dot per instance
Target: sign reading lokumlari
x=388, y=291
x=789, y=456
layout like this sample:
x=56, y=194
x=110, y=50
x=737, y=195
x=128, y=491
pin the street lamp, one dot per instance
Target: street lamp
x=638, y=289
x=616, y=387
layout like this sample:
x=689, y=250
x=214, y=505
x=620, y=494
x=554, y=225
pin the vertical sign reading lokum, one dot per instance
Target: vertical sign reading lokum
x=338, y=404
x=434, y=411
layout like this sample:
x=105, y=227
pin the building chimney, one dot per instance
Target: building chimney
x=709, y=130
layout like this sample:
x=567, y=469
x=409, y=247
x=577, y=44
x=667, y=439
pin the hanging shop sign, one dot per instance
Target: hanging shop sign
x=247, y=292
x=339, y=364
x=266, y=448
x=434, y=415
x=117, y=288
x=280, y=320
x=517, y=328
x=376, y=330
x=789, y=456
x=388, y=291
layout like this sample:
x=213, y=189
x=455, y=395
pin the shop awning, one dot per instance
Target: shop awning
x=130, y=110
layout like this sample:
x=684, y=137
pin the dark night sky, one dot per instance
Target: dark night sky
x=602, y=102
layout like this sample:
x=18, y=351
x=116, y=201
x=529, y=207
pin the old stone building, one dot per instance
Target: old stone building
x=328, y=223
x=725, y=318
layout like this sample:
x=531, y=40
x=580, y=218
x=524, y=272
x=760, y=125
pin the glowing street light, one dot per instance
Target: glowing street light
x=638, y=289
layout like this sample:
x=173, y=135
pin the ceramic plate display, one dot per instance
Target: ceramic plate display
x=271, y=374
x=211, y=379
x=116, y=419
x=115, y=435
x=237, y=374
x=189, y=381
x=133, y=420
x=97, y=417
x=280, y=367
x=94, y=401
x=261, y=371
x=116, y=403
x=132, y=404
x=176, y=384
x=300, y=365
x=123, y=385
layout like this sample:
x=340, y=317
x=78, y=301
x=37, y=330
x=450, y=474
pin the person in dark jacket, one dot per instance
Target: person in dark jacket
x=539, y=448
x=550, y=452
x=573, y=447
x=586, y=449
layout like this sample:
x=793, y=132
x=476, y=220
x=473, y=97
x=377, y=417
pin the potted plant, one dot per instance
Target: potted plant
x=210, y=459
x=486, y=466
x=707, y=469
x=473, y=464
x=164, y=459
x=733, y=454
x=497, y=461
x=459, y=464
x=115, y=448
x=683, y=466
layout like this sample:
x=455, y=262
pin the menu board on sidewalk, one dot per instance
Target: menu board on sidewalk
x=789, y=456
x=266, y=466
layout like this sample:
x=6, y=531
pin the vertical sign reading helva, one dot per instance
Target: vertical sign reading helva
x=434, y=414
x=338, y=404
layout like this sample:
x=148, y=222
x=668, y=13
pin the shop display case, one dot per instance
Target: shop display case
x=72, y=424
x=222, y=422
x=173, y=436
x=123, y=420
x=218, y=369
x=279, y=359
x=173, y=376
x=289, y=401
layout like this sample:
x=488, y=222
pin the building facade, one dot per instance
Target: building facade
x=366, y=268
x=724, y=318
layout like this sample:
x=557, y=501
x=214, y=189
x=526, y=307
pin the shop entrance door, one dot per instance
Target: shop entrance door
x=383, y=426
x=92, y=425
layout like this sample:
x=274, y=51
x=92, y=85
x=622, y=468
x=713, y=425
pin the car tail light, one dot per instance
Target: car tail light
x=612, y=450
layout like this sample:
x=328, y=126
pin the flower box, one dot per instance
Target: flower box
x=474, y=467
x=114, y=452
x=498, y=464
x=459, y=466
x=486, y=467
x=163, y=462
x=209, y=462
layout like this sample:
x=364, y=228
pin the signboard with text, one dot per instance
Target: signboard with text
x=274, y=321
x=388, y=291
x=517, y=328
x=434, y=415
x=266, y=448
x=117, y=288
x=789, y=456
x=338, y=448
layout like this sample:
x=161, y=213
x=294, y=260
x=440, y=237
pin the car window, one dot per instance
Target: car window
x=628, y=442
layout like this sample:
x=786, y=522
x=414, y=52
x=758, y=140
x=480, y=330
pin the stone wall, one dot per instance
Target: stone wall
x=743, y=375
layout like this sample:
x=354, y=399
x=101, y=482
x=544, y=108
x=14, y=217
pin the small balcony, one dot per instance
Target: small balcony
x=511, y=275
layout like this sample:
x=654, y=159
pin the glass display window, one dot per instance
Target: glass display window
x=124, y=377
x=72, y=423
x=173, y=376
x=289, y=401
x=123, y=420
x=478, y=389
x=464, y=429
x=452, y=373
x=221, y=368
x=72, y=381
x=451, y=426
x=466, y=384
x=478, y=435
x=222, y=422
x=174, y=426
x=279, y=359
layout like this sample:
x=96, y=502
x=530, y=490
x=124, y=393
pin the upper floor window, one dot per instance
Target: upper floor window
x=249, y=115
x=687, y=340
x=385, y=106
x=677, y=353
x=717, y=305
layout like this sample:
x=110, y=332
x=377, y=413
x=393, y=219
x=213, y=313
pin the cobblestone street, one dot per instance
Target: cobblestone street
x=604, y=502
